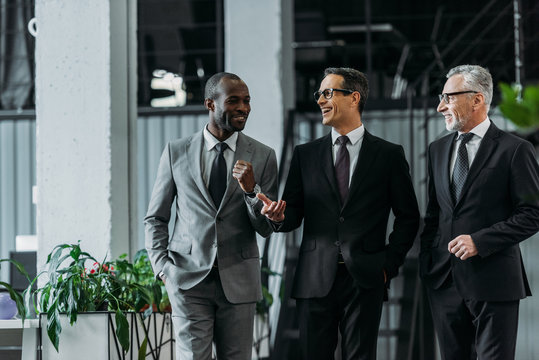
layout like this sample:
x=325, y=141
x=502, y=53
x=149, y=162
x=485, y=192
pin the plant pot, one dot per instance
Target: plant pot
x=8, y=308
x=93, y=336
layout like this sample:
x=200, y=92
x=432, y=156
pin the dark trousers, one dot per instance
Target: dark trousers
x=354, y=311
x=470, y=329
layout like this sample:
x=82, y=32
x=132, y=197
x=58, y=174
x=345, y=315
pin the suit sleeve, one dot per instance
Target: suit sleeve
x=406, y=211
x=158, y=215
x=524, y=190
x=433, y=211
x=268, y=185
x=293, y=195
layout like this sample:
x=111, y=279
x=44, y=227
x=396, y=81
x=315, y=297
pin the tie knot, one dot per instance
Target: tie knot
x=221, y=147
x=342, y=140
x=464, y=138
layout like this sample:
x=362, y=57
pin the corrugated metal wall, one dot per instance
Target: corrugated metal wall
x=154, y=131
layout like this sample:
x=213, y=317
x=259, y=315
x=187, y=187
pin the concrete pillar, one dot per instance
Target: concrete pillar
x=86, y=122
x=264, y=60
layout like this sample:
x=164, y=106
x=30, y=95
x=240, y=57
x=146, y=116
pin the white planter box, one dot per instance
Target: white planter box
x=92, y=337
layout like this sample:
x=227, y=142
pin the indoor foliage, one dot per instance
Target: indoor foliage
x=78, y=283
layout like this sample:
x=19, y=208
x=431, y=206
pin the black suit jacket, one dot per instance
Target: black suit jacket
x=380, y=183
x=498, y=207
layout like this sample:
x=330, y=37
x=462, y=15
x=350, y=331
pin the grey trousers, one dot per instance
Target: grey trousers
x=203, y=314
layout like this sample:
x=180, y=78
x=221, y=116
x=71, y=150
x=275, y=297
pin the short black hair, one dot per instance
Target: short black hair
x=210, y=91
x=353, y=80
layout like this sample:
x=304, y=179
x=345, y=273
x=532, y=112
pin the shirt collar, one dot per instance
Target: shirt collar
x=354, y=136
x=210, y=141
x=481, y=129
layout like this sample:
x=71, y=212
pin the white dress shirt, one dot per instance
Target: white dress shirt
x=472, y=146
x=210, y=153
x=354, y=146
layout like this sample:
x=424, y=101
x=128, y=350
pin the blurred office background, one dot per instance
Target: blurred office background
x=404, y=47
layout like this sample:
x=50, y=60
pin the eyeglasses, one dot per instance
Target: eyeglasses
x=328, y=93
x=446, y=96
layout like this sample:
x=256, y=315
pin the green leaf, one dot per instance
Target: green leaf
x=269, y=271
x=524, y=112
x=20, y=267
x=122, y=330
x=142, y=349
x=54, y=328
x=75, y=252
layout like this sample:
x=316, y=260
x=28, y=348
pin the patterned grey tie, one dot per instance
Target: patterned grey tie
x=460, y=171
x=342, y=167
x=217, y=185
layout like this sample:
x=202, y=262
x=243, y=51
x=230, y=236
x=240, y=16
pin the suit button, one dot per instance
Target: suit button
x=341, y=219
x=337, y=243
x=214, y=244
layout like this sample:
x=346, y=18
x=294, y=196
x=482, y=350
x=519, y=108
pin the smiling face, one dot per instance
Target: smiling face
x=458, y=112
x=341, y=109
x=229, y=111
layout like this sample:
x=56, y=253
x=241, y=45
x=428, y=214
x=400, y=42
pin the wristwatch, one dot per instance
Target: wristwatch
x=255, y=191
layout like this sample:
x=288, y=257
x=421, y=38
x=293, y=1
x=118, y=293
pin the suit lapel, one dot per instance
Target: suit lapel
x=194, y=154
x=366, y=156
x=326, y=158
x=486, y=149
x=442, y=170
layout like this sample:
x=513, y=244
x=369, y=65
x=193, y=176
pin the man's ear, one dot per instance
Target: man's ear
x=478, y=99
x=356, y=98
x=209, y=104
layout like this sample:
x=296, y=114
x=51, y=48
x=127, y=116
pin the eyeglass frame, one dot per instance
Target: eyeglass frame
x=319, y=93
x=445, y=96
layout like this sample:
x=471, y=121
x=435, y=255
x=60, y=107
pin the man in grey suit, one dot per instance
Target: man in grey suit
x=210, y=262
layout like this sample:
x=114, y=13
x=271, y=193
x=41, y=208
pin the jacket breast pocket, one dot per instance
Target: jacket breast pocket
x=182, y=247
x=485, y=175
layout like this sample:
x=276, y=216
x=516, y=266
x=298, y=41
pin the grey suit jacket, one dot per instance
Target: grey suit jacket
x=203, y=232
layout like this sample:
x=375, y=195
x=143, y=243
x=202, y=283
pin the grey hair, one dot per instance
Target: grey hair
x=477, y=78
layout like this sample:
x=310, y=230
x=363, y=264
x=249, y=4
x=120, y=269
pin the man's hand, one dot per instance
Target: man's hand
x=463, y=247
x=163, y=278
x=273, y=210
x=243, y=172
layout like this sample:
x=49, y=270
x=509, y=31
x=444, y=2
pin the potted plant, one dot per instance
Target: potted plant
x=521, y=107
x=77, y=283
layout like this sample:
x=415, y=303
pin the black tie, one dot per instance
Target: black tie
x=460, y=171
x=218, y=175
x=342, y=167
